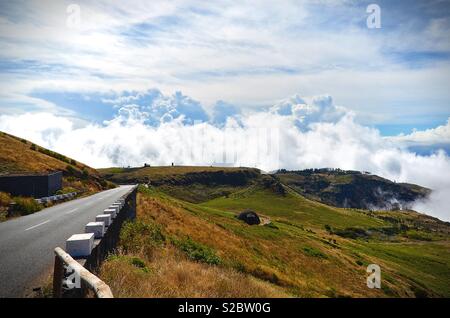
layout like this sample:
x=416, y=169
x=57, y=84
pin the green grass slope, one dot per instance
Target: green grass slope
x=302, y=249
x=193, y=184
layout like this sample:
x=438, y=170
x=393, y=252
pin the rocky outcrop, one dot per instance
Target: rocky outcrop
x=250, y=217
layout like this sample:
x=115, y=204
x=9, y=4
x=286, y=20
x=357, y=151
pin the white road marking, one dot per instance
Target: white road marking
x=71, y=211
x=30, y=228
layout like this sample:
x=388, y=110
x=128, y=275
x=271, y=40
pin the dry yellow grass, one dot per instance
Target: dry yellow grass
x=277, y=266
x=279, y=260
x=20, y=156
x=170, y=274
x=17, y=156
x=5, y=199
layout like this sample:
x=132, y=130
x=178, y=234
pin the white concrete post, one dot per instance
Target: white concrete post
x=80, y=245
x=98, y=228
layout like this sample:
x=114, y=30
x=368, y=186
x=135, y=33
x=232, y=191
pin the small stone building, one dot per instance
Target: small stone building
x=31, y=185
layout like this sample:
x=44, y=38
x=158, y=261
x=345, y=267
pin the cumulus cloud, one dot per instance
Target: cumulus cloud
x=438, y=135
x=156, y=108
x=222, y=111
x=426, y=141
x=245, y=52
x=295, y=133
x=309, y=110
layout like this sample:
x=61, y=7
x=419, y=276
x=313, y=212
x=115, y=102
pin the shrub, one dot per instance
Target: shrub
x=69, y=190
x=133, y=260
x=136, y=261
x=110, y=185
x=33, y=147
x=311, y=251
x=71, y=171
x=102, y=183
x=84, y=173
x=5, y=199
x=197, y=251
x=138, y=235
x=106, y=184
x=420, y=236
x=54, y=154
x=139, y=263
x=351, y=232
x=25, y=206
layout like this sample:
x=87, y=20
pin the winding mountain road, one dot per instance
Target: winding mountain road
x=27, y=243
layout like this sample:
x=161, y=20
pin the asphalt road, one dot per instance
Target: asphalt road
x=27, y=243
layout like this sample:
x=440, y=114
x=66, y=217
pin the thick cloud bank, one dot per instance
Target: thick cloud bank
x=295, y=133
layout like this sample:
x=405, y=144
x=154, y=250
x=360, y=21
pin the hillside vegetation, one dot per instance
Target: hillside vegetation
x=193, y=184
x=18, y=155
x=352, y=189
x=181, y=246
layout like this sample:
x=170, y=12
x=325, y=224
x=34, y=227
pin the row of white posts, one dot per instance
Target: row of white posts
x=81, y=245
x=57, y=197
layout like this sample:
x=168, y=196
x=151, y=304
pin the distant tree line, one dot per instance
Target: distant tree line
x=53, y=154
x=333, y=171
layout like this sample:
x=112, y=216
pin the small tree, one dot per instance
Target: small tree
x=85, y=173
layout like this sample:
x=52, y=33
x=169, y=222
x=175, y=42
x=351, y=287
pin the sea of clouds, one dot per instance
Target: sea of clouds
x=295, y=133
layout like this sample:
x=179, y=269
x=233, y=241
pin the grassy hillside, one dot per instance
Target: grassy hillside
x=193, y=184
x=181, y=248
x=21, y=156
x=352, y=189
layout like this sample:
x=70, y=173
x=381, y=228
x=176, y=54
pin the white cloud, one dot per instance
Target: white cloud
x=223, y=111
x=328, y=137
x=154, y=107
x=309, y=110
x=246, y=53
x=438, y=135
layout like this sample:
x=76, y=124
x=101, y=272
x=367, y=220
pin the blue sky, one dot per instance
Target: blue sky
x=248, y=55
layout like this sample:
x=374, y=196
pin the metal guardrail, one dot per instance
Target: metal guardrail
x=92, y=282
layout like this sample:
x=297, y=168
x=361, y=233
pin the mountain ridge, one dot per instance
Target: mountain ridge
x=353, y=189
